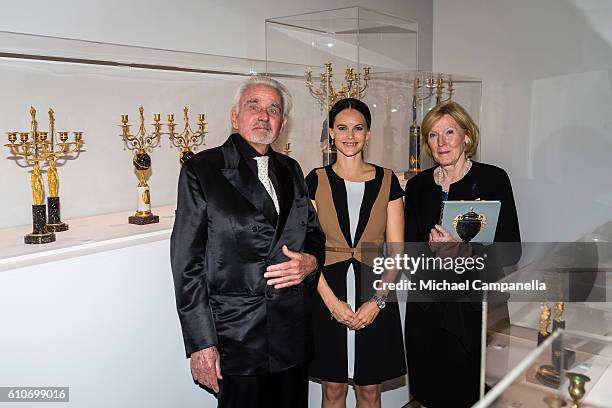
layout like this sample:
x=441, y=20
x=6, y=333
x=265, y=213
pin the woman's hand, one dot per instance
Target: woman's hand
x=343, y=313
x=443, y=244
x=365, y=315
x=440, y=234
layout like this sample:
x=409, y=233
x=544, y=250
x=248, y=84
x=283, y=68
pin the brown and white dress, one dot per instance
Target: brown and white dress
x=352, y=213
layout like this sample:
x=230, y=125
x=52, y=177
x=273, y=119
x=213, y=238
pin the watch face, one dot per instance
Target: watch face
x=380, y=302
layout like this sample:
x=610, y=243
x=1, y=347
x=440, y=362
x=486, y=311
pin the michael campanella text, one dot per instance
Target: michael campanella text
x=443, y=285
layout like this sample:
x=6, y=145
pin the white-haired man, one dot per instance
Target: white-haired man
x=245, y=248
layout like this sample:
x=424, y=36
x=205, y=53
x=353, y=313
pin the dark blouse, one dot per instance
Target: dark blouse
x=423, y=201
x=443, y=339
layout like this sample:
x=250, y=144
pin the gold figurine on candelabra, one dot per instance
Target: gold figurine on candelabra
x=188, y=140
x=141, y=143
x=437, y=89
x=35, y=147
x=545, y=319
x=354, y=86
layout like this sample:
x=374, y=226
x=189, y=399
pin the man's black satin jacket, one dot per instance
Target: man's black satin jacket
x=226, y=233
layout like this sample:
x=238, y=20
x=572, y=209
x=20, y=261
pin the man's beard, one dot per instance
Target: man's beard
x=261, y=136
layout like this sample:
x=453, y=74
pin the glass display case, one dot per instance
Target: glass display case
x=353, y=36
x=342, y=49
x=556, y=336
x=533, y=382
x=368, y=55
x=89, y=85
x=399, y=101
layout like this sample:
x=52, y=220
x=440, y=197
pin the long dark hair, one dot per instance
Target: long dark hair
x=349, y=103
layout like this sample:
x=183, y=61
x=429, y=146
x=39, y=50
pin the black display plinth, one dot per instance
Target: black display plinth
x=39, y=234
x=54, y=223
x=542, y=337
x=143, y=220
x=561, y=356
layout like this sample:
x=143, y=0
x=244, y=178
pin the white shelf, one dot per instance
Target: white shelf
x=85, y=236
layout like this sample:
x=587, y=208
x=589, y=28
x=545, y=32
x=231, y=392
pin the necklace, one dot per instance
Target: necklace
x=440, y=174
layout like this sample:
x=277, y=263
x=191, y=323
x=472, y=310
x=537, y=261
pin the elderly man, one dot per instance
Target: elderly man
x=245, y=248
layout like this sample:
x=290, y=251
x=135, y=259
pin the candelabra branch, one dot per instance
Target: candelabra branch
x=188, y=140
x=327, y=94
x=438, y=88
x=142, y=141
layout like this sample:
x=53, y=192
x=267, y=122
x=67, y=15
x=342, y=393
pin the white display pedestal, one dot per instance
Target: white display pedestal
x=95, y=311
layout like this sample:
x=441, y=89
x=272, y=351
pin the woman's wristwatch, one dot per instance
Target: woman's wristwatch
x=381, y=301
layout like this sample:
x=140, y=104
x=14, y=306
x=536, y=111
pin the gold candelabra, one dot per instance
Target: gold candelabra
x=141, y=144
x=561, y=357
x=188, y=140
x=414, y=138
x=354, y=86
x=38, y=146
x=434, y=88
x=443, y=89
x=287, y=148
x=62, y=150
x=327, y=94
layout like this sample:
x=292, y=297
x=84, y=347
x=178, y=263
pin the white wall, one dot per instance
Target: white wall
x=229, y=27
x=546, y=67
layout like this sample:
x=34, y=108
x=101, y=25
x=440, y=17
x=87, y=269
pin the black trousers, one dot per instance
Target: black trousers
x=285, y=389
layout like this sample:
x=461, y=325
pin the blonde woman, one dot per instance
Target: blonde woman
x=443, y=339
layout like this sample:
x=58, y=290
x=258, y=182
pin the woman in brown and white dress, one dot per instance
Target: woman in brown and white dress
x=356, y=202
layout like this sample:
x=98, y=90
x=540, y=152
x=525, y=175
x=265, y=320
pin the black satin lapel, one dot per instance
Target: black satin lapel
x=285, y=198
x=370, y=193
x=338, y=190
x=247, y=184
